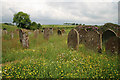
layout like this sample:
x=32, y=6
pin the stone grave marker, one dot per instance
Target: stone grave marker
x=51, y=31
x=82, y=33
x=92, y=40
x=20, y=35
x=12, y=35
x=107, y=34
x=59, y=32
x=24, y=39
x=46, y=33
x=73, y=39
x=63, y=31
x=36, y=32
x=113, y=45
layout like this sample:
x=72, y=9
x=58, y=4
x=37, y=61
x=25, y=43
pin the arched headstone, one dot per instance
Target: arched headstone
x=46, y=33
x=82, y=33
x=73, y=39
x=113, y=44
x=107, y=34
x=92, y=40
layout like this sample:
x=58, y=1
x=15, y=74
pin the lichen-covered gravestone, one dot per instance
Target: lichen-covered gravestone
x=24, y=39
x=46, y=33
x=82, y=33
x=73, y=39
x=113, y=45
x=92, y=40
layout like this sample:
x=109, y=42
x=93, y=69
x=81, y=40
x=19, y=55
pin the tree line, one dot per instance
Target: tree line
x=22, y=20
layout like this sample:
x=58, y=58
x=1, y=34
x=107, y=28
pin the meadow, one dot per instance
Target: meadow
x=53, y=59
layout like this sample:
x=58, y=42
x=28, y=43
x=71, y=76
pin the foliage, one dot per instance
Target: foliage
x=21, y=19
x=39, y=26
x=33, y=26
x=53, y=59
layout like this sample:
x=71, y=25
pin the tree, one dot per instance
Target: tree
x=39, y=26
x=33, y=26
x=22, y=20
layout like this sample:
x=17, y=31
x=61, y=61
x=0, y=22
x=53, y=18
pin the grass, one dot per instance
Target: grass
x=53, y=59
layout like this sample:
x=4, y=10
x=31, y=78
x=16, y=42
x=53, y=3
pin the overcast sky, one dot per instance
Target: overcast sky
x=61, y=11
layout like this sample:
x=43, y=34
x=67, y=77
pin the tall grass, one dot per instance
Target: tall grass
x=53, y=59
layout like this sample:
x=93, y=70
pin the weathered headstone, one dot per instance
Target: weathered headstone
x=51, y=31
x=92, y=40
x=46, y=33
x=82, y=33
x=63, y=31
x=73, y=39
x=113, y=44
x=24, y=39
x=36, y=33
x=107, y=34
x=12, y=35
x=59, y=32
x=5, y=32
x=20, y=35
x=27, y=41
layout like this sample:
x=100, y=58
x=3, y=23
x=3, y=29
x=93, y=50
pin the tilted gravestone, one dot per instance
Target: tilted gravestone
x=113, y=44
x=82, y=33
x=92, y=40
x=46, y=33
x=73, y=39
x=24, y=39
x=59, y=32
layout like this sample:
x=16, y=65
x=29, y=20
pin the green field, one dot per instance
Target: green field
x=53, y=59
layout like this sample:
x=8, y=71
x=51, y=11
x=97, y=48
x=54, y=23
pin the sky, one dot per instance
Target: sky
x=62, y=11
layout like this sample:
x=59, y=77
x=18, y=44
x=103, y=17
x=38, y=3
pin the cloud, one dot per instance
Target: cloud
x=58, y=12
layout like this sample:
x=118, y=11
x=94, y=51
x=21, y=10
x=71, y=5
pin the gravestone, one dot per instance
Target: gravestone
x=82, y=33
x=12, y=35
x=63, y=31
x=59, y=32
x=36, y=33
x=5, y=32
x=92, y=40
x=24, y=39
x=20, y=35
x=107, y=34
x=113, y=45
x=51, y=31
x=73, y=39
x=118, y=33
x=46, y=33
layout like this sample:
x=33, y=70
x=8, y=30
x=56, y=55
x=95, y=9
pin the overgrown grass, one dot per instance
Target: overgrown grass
x=53, y=59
